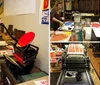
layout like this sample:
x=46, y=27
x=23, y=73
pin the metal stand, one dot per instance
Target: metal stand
x=75, y=70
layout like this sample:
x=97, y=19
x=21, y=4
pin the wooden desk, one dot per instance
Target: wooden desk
x=32, y=82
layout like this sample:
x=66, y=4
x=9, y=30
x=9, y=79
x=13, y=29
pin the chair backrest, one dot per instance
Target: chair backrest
x=1, y=29
x=26, y=39
x=18, y=33
x=10, y=29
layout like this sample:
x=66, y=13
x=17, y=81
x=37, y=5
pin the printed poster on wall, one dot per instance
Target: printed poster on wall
x=1, y=6
x=45, y=12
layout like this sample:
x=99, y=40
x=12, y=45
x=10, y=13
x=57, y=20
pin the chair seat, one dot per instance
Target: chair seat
x=26, y=39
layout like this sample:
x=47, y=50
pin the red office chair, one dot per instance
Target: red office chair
x=24, y=55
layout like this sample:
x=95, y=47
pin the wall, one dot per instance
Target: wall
x=1, y=15
x=30, y=22
x=14, y=7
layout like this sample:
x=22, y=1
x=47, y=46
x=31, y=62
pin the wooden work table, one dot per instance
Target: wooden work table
x=95, y=61
x=32, y=82
x=7, y=74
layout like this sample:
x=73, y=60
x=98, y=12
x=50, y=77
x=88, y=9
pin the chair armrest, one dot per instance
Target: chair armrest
x=37, y=48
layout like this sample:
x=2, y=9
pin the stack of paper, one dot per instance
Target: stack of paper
x=88, y=33
x=75, y=49
x=42, y=82
x=3, y=43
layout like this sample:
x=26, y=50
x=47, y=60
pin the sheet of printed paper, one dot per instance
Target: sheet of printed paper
x=75, y=49
x=42, y=82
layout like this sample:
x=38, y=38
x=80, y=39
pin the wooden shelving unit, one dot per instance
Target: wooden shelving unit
x=88, y=6
x=82, y=6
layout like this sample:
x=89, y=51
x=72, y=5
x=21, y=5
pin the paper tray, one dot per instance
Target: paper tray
x=63, y=40
x=75, y=49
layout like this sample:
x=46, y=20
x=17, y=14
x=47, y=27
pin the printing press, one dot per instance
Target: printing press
x=75, y=66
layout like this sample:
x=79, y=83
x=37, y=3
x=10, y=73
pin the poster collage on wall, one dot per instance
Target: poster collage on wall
x=45, y=12
x=1, y=6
